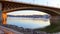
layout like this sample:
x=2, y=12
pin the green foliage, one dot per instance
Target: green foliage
x=52, y=28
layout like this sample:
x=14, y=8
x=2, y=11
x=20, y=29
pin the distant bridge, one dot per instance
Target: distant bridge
x=9, y=6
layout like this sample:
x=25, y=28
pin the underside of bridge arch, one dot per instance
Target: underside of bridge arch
x=36, y=9
x=14, y=6
x=55, y=18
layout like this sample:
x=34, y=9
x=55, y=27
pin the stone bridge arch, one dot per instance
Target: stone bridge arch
x=8, y=6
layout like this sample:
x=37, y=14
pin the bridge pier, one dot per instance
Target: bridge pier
x=0, y=17
x=4, y=17
x=0, y=13
x=55, y=20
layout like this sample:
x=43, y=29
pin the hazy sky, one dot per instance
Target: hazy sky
x=52, y=3
x=26, y=12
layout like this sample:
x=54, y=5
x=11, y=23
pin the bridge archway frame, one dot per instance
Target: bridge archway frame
x=50, y=12
x=54, y=12
x=38, y=9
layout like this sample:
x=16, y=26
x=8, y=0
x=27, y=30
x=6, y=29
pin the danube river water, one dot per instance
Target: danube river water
x=31, y=23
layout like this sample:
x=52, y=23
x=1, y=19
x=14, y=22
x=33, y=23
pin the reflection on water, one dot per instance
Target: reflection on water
x=28, y=22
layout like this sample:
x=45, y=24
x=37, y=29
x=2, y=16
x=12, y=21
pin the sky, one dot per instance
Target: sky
x=51, y=3
x=27, y=12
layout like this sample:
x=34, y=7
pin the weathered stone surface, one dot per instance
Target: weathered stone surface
x=55, y=19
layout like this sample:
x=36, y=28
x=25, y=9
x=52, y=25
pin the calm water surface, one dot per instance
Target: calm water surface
x=31, y=23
